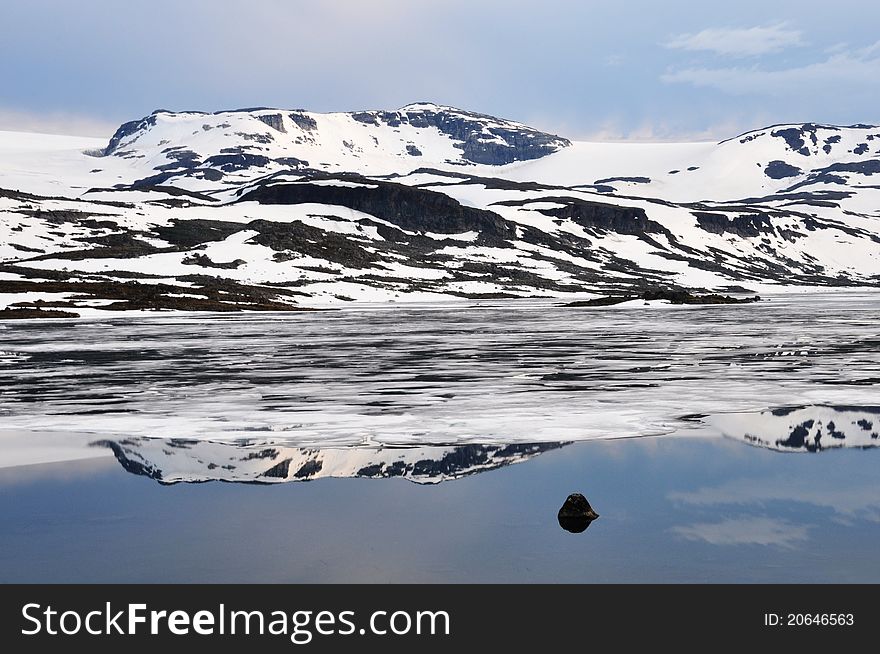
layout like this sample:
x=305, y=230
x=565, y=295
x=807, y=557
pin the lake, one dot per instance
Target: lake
x=437, y=443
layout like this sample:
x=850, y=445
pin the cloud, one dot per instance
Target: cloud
x=54, y=123
x=745, y=531
x=613, y=61
x=667, y=131
x=854, y=69
x=739, y=42
x=851, y=499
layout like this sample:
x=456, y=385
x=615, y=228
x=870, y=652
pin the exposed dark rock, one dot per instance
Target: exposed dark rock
x=870, y=167
x=390, y=118
x=279, y=470
x=309, y=469
x=746, y=226
x=216, y=294
x=597, y=215
x=634, y=180
x=794, y=137
x=121, y=245
x=413, y=151
x=275, y=121
x=207, y=127
x=232, y=162
x=36, y=312
x=128, y=129
x=25, y=248
x=189, y=233
x=833, y=432
x=211, y=175
x=672, y=296
x=266, y=453
x=734, y=288
x=797, y=439
x=57, y=216
x=478, y=134
x=307, y=240
x=180, y=158
x=602, y=301
x=366, y=117
x=779, y=170
x=303, y=121
x=466, y=456
x=242, y=110
x=257, y=138
x=826, y=175
x=128, y=463
x=206, y=262
x=292, y=162
x=521, y=143
x=576, y=514
x=410, y=208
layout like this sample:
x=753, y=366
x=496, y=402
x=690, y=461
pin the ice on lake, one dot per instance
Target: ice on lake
x=446, y=375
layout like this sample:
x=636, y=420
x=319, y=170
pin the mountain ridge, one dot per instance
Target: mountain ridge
x=271, y=209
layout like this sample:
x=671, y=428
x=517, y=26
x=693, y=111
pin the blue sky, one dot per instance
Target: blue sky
x=637, y=69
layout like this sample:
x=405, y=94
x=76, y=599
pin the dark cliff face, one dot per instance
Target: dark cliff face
x=746, y=226
x=597, y=215
x=797, y=137
x=410, y=208
x=274, y=121
x=479, y=135
x=127, y=129
x=483, y=139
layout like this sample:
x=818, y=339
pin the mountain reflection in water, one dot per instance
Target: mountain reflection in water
x=174, y=460
x=171, y=461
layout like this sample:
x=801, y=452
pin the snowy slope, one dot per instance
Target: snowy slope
x=234, y=144
x=272, y=209
x=774, y=160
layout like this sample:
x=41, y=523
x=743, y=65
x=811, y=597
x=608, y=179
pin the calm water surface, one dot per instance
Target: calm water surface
x=756, y=461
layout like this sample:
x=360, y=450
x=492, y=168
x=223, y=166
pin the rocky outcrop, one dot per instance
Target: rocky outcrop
x=273, y=120
x=746, y=226
x=482, y=139
x=410, y=208
x=576, y=514
x=671, y=296
x=596, y=215
x=126, y=130
x=22, y=313
x=777, y=169
x=303, y=121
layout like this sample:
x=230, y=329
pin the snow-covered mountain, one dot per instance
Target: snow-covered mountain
x=171, y=461
x=369, y=142
x=277, y=209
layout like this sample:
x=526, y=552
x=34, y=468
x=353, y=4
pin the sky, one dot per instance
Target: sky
x=638, y=69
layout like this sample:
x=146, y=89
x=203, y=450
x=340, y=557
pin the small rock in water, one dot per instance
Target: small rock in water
x=576, y=514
